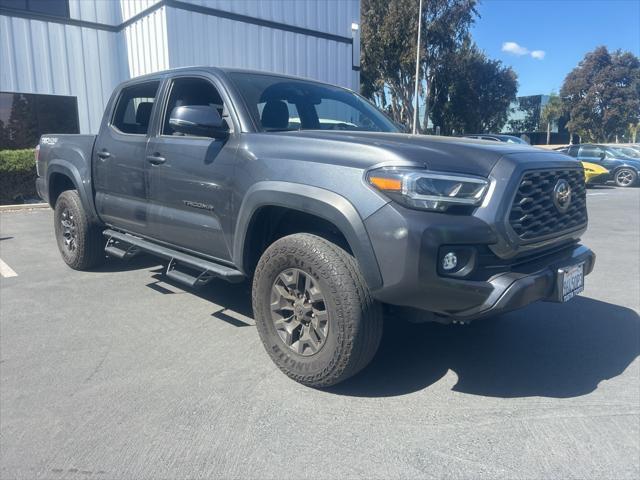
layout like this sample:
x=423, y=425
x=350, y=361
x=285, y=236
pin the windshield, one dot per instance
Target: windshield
x=281, y=104
x=627, y=151
x=611, y=152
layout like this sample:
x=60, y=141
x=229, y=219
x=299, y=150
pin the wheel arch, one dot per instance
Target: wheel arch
x=63, y=175
x=332, y=210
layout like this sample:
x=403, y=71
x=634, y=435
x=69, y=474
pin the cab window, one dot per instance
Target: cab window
x=589, y=151
x=133, y=110
x=191, y=92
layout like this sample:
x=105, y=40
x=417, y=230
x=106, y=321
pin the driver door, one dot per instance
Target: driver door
x=191, y=177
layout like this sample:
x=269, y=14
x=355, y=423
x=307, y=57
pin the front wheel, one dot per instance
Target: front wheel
x=625, y=177
x=80, y=243
x=314, y=312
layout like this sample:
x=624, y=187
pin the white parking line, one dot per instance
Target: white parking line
x=6, y=271
x=599, y=193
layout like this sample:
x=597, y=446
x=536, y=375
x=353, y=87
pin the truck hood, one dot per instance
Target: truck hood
x=366, y=149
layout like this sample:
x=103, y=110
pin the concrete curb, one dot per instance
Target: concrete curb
x=23, y=206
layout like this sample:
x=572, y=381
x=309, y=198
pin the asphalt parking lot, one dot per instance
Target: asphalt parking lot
x=116, y=373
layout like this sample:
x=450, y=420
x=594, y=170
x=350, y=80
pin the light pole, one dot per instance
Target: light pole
x=415, y=93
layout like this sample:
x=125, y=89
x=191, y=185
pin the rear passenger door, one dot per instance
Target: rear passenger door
x=119, y=158
x=190, y=200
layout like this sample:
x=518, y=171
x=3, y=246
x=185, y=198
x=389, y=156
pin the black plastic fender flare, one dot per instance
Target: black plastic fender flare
x=68, y=169
x=316, y=201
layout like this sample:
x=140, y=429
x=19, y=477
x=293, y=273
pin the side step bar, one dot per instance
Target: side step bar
x=123, y=245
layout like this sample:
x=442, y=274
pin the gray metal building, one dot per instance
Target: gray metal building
x=64, y=57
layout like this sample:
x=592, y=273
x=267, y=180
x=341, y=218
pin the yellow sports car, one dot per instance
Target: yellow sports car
x=594, y=174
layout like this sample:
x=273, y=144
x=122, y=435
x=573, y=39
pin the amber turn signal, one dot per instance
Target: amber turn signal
x=386, y=184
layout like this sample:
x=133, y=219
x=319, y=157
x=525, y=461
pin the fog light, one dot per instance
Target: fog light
x=449, y=261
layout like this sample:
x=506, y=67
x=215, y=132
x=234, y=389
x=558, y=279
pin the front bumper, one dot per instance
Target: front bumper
x=515, y=290
x=600, y=179
x=407, y=243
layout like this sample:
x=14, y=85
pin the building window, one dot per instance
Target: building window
x=54, y=8
x=25, y=116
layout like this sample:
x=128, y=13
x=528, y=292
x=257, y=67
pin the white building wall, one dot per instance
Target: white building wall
x=329, y=16
x=228, y=43
x=110, y=12
x=52, y=58
x=146, y=44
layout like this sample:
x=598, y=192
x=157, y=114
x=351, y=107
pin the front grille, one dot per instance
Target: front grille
x=534, y=214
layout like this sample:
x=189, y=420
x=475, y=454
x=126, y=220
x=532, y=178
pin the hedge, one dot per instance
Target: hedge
x=17, y=176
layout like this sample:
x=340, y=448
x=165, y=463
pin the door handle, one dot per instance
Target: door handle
x=156, y=159
x=104, y=154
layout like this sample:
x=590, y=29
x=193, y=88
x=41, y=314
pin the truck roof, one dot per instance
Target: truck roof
x=223, y=70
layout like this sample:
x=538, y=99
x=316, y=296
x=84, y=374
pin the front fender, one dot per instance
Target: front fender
x=315, y=201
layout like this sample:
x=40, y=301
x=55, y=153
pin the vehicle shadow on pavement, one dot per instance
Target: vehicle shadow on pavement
x=546, y=350
x=138, y=262
x=231, y=301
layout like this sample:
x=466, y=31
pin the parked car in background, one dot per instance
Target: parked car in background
x=627, y=151
x=595, y=174
x=495, y=137
x=635, y=146
x=624, y=170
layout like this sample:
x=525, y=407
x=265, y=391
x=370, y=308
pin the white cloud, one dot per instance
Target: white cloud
x=514, y=48
x=538, y=54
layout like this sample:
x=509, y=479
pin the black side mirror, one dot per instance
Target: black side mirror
x=603, y=155
x=198, y=120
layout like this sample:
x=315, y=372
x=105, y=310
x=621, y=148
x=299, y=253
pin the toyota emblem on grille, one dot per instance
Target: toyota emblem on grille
x=562, y=195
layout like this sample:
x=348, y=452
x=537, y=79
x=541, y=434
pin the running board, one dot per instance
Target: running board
x=119, y=250
x=205, y=269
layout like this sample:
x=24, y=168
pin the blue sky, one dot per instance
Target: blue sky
x=543, y=40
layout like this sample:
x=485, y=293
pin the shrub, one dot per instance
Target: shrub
x=17, y=175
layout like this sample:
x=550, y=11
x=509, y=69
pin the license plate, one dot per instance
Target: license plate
x=570, y=281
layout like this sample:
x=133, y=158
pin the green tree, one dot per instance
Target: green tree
x=4, y=137
x=602, y=94
x=551, y=113
x=22, y=127
x=633, y=131
x=529, y=107
x=389, y=35
x=473, y=93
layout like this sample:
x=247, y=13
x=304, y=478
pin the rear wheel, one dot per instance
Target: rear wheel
x=80, y=243
x=314, y=312
x=625, y=177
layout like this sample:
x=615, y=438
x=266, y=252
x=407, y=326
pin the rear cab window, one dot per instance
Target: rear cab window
x=132, y=114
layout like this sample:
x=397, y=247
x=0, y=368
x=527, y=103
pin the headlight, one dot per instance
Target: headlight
x=428, y=190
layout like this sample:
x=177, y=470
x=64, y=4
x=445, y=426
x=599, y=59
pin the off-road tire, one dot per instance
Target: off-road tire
x=625, y=177
x=355, y=318
x=89, y=242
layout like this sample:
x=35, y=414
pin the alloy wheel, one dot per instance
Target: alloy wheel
x=69, y=230
x=299, y=312
x=624, y=177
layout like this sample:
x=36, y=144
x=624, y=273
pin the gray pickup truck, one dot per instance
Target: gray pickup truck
x=315, y=195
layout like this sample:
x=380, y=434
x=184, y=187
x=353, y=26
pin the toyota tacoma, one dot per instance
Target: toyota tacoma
x=317, y=197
